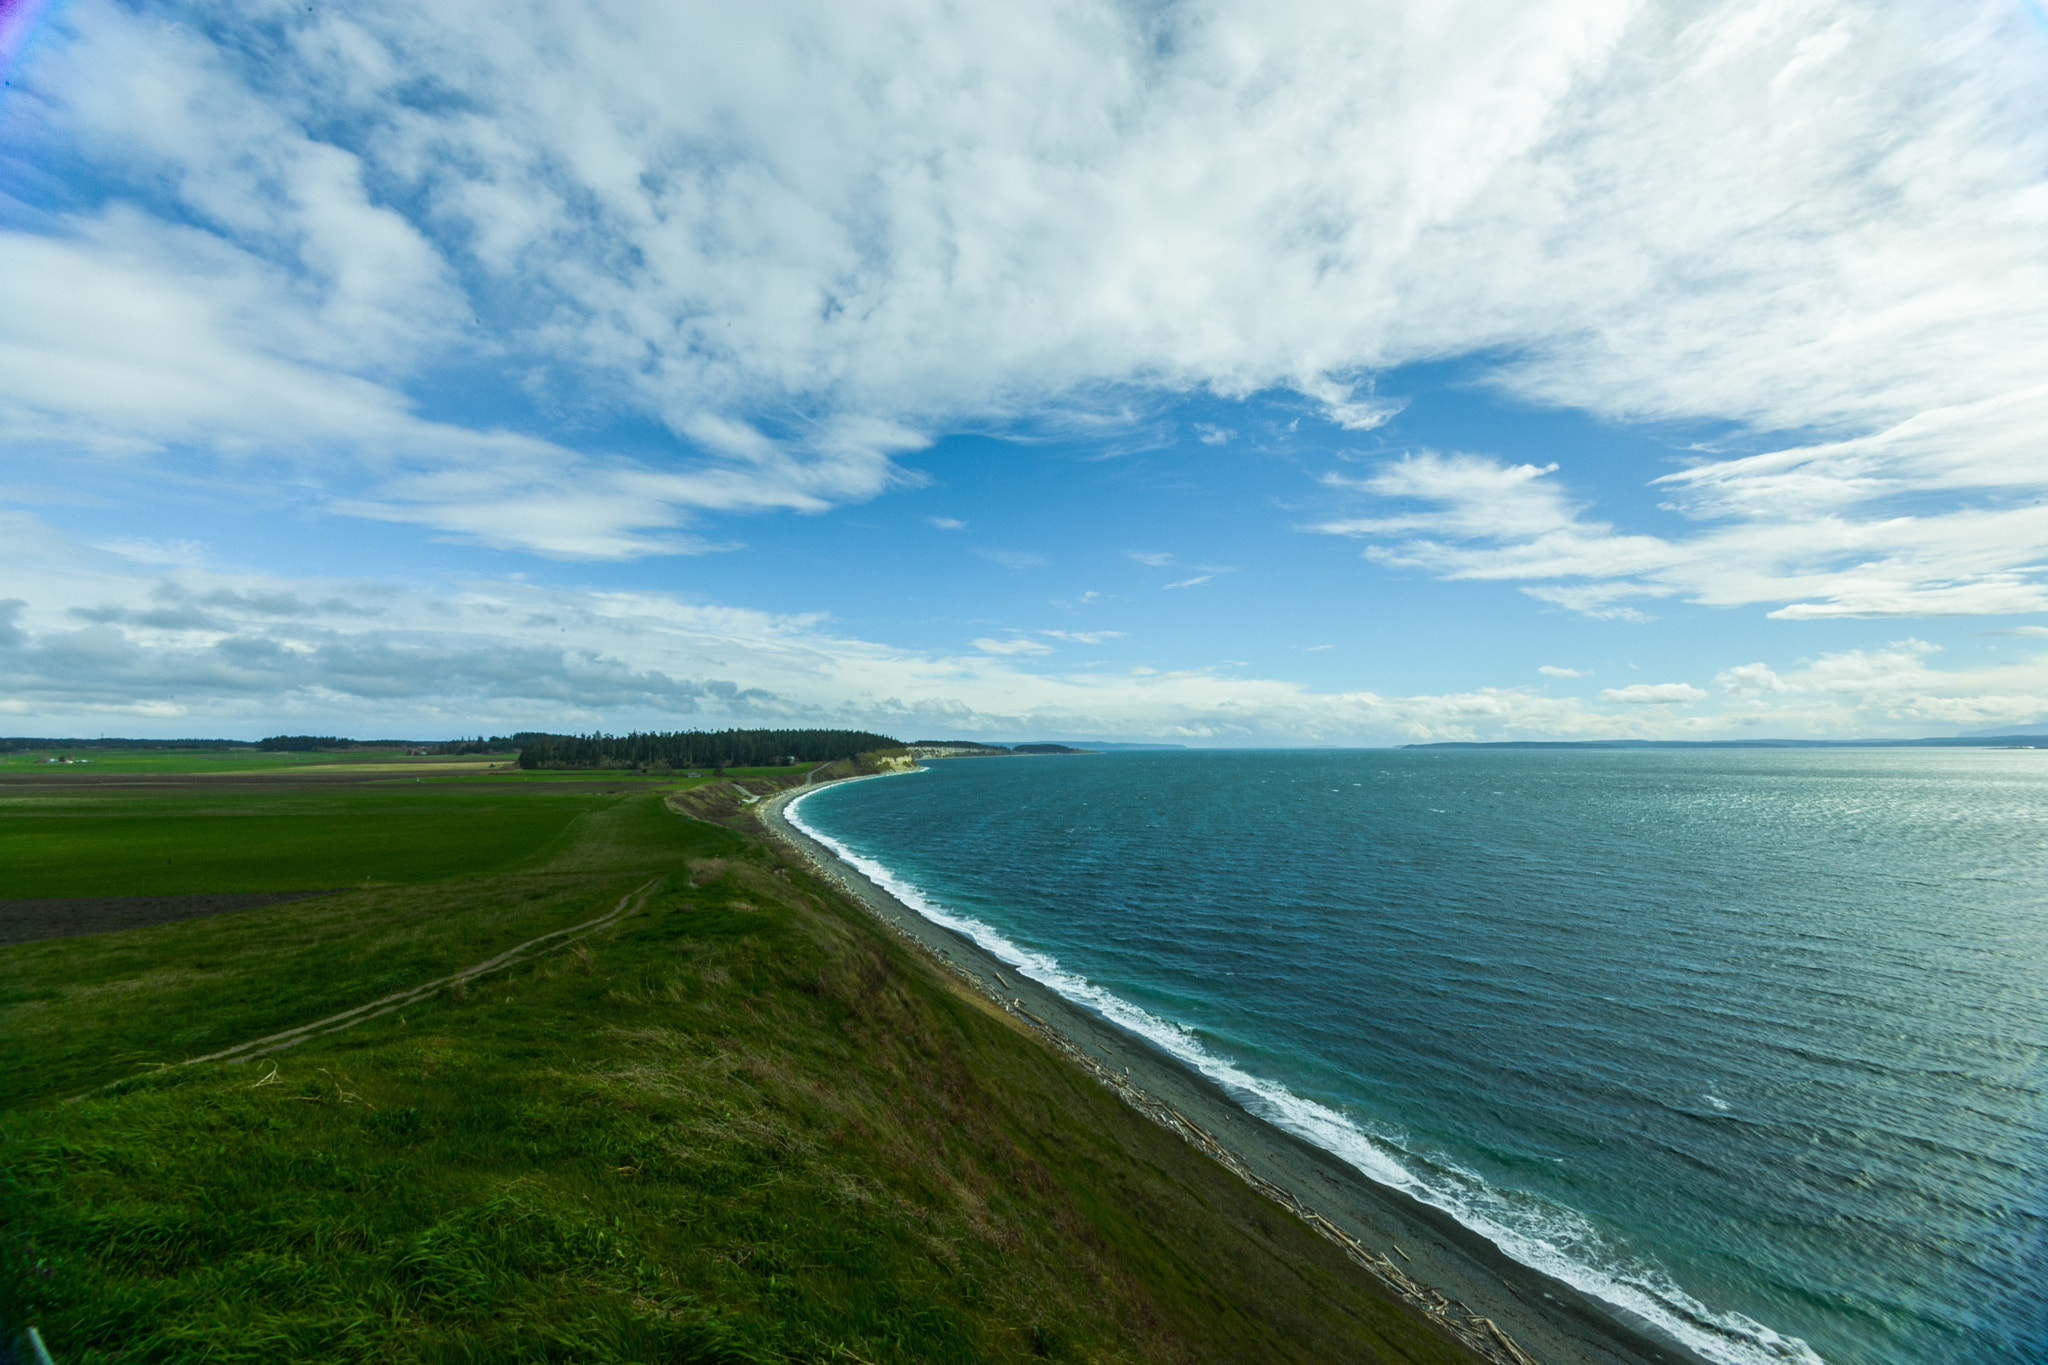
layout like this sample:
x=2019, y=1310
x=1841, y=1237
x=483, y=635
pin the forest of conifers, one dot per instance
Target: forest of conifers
x=697, y=748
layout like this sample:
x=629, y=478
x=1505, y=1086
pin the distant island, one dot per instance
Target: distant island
x=961, y=748
x=1956, y=742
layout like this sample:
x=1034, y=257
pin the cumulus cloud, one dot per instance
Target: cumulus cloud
x=1553, y=671
x=1653, y=694
x=1750, y=680
x=803, y=238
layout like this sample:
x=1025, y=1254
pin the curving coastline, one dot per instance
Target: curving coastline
x=1495, y=1306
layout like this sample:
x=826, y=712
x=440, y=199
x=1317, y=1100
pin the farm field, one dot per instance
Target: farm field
x=39, y=761
x=209, y=835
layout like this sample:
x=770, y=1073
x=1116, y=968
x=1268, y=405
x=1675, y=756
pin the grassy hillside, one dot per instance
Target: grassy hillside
x=739, y=1125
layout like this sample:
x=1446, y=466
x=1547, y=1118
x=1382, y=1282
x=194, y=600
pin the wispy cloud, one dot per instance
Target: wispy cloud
x=132, y=341
x=1012, y=559
x=1194, y=582
x=1815, y=529
x=1083, y=637
x=1553, y=671
x=947, y=523
x=1154, y=558
x=1016, y=644
x=1654, y=694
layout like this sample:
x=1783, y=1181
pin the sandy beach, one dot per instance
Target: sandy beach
x=1499, y=1308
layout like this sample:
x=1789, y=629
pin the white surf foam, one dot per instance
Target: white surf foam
x=1539, y=1233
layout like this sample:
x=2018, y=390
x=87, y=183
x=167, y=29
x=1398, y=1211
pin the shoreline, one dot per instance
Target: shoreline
x=1497, y=1307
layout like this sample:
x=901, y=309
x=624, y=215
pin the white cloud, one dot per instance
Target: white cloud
x=91, y=640
x=1209, y=434
x=1154, y=558
x=1750, y=680
x=947, y=523
x=1530, y=527
x=1083, y=637
x=1654, y=694
x=1553, y=671
x=1823, y=524
x=134, y=340
x=1194, y=582
x=867, y=223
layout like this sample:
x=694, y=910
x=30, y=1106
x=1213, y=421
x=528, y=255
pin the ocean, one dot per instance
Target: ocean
x=1750, y=1042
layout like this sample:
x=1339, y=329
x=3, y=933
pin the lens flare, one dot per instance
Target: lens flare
x=17, y=21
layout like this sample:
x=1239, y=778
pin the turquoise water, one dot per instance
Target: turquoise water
x=1750, y=1041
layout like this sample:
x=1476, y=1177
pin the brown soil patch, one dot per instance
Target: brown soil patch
x=24, y=921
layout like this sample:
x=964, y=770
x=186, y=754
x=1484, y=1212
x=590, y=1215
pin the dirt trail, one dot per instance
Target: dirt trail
x=335, y=1023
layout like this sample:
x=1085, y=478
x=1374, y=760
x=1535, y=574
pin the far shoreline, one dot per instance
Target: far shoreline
x=1482, y=1298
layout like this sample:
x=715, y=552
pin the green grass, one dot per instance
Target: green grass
x=306, y=835
x=743, y=1125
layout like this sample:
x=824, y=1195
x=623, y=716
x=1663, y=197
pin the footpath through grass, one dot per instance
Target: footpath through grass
x=742, y=1125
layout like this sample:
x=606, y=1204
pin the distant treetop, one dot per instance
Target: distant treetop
x=301, y=744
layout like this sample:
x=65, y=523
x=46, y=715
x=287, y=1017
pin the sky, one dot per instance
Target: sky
x=1213, y=373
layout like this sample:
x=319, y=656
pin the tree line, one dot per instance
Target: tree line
x=15, y=744
x=697, y=748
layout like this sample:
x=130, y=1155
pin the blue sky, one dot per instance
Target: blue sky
x=1215, y=374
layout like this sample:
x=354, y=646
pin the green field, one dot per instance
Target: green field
x=199, y=838
x=741, y=1125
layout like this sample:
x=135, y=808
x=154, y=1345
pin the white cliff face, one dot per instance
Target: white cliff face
x=947, y=750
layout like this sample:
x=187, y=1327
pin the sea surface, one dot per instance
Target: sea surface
x=1752, y=1042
